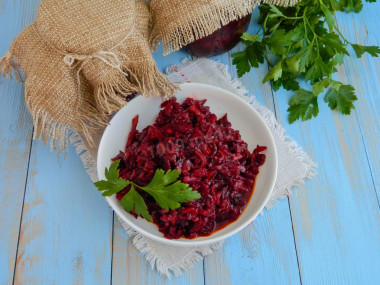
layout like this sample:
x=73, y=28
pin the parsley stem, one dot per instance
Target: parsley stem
x=137, y=186
x=311, y=28
x=336, y=29
x=259, y=30
x=267, y=58
x=265, y=24
x=293, y=18
x=316, y=40
x=304, y=24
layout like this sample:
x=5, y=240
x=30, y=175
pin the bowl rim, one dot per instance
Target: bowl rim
x=210, y=240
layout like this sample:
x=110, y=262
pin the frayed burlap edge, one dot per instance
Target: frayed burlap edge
x=45, y=126
x=7, y=64
x=152, y=82
x=144, y=79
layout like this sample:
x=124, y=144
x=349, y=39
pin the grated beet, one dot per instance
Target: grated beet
x=213, y=158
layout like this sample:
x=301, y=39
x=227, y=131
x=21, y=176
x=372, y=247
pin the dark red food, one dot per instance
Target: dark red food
x=213, y=158
x=221, y=40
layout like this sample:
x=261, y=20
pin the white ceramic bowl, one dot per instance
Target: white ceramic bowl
x=242, y=117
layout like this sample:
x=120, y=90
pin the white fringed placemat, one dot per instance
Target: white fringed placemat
x=294, y=165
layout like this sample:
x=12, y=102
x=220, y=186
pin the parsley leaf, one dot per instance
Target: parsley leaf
x=168, y=192
x=341, y=97
x=360, y=50
x=274, y=74
x=289, y=84
x=352, y=5
x=250, y=38
x=252, y=56
x=134, y=201
x=319, y=86
x=241, y=60
x=303, y=105
x=165, y=187
x=317, y=70
x=328, y=17
x=114, y=184
x=333, y=41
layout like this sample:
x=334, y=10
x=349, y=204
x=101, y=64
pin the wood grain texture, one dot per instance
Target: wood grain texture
x=262, y=253
x=336, y=218
x=15, y=141
x=66, y=230
x=364, y=75
x=130, y=267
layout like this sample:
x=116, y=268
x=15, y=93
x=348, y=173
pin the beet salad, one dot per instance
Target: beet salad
x=212, y=158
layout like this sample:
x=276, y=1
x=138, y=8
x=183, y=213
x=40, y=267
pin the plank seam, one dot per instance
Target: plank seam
x=204, y=272
x=22, y=207
x=367, y=157
x=113, y=234
x=287, y=198
x=294, y=241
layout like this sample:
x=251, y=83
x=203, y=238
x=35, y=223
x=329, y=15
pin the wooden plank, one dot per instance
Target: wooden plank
x=130, y=267
x=66, y=230
x=59, y=242
x=264, y=252
x=15, y=142
x=367, y=86
x=336, y=219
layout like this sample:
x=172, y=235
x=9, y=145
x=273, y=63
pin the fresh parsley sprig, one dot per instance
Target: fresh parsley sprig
x=305, y=43
x=165, y=188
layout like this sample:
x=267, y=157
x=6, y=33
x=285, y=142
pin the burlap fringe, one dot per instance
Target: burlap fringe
x=9, y=63
x=281, y=3
x=111, y=95
x=151, y=82
x=143, y=78
x=46, y=127
x=197, y=28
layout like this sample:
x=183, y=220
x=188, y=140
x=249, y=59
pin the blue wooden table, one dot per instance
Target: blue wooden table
x=55, y=228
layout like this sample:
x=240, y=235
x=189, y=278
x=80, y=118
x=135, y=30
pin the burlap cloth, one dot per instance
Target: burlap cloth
x=294, y=165
x=82, y=60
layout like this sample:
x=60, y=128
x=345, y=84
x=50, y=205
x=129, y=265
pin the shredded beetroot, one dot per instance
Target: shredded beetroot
x=213, y=158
